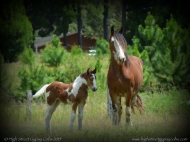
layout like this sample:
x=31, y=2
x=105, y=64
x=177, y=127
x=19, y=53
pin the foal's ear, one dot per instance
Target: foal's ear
x=112, y=30
x=88, y=71
x=121, y=30
x=94, y=71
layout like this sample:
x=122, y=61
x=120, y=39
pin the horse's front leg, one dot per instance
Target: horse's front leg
x=119, y=108
x=80, y=115
x=73, y=115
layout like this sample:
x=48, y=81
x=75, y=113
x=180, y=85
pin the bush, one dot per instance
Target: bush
x=103, y=45
x=27, y=56
x=54, y=54
x=76, y=50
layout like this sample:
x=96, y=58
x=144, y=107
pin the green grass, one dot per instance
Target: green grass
x=166, y=114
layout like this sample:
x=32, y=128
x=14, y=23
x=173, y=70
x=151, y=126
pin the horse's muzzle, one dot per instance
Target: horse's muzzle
x=122, y=59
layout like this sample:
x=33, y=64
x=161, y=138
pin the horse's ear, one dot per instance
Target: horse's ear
x=94, y=71
x=88, y=71
x=121, y=30
x=112, y=30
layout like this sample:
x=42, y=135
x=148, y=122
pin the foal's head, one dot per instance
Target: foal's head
x=90, y=78
x=118, y=45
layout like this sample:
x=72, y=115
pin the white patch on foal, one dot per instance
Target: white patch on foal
x=76, y=85
x=119, y=52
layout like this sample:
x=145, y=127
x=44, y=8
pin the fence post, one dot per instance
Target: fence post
x=29, y=99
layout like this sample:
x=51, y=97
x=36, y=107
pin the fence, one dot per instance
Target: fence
x=29, y=99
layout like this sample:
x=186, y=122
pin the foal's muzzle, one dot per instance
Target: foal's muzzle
x=94, y=89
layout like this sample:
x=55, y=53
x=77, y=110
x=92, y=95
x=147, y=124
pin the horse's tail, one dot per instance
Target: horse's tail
x=138, y=104
x=41, y=91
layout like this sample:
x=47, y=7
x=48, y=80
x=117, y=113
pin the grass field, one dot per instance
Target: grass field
x=165, y=118
x=159, y=120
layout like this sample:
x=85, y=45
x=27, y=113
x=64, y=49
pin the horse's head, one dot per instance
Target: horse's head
x=90, y=77
x=118, y=45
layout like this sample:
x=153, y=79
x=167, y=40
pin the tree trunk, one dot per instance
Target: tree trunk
x=79, y=20
x=124, y=16
x=105, y=22
x=65, y=40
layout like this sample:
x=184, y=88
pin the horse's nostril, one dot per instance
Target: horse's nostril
x=122, y=60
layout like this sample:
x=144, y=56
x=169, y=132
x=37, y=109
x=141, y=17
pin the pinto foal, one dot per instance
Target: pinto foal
x=75, y=93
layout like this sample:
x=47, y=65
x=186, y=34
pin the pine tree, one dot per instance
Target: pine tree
x=15, y=31
x=167, y=50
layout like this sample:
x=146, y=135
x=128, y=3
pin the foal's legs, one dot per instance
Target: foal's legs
x=80, y=115
x=73, y=115
x=49, y=111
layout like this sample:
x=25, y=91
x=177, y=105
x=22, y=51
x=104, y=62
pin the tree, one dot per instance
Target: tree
x=16, y=30
x=105, y=26
x=79, y=22
x=50, y=17
x=167, y=50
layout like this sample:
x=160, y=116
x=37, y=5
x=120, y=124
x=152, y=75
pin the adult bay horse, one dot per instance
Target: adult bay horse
x=124, y=78
x=74, y=93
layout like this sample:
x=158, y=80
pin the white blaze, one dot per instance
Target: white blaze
x=119, y=52
x=94, y=81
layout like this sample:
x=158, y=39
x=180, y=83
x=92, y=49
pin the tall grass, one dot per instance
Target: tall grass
x=159, y=120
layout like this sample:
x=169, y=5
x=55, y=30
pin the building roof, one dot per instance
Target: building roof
x=39, y=41
x=72, y=38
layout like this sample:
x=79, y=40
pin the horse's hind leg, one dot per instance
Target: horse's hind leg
x=109, y=104
x=49, y=111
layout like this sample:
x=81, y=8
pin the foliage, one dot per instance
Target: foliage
x=103, y=45
x=165, y=48
x=27, y=56
x=54, y=54
x=16, y=30
x=76, y=50
x=92, y=20
x=98, y=66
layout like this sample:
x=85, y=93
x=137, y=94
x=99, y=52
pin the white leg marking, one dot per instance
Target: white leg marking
x=48, y=115
x=72, y=119
x=80, y=116
x=128, y=115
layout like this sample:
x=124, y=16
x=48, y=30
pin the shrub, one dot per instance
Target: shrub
x=76, y=50
x=27, y=56
x=103, y=45
x=54, y=54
